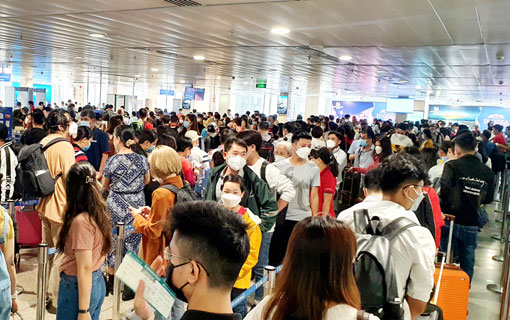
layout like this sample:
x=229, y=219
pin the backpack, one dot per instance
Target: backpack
x=33, y=178
x=266, y=150
x=184, y=194
x=374, y=269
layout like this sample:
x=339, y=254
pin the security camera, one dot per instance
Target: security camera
x=500, y=56
x=233, y=77
x=501, y=82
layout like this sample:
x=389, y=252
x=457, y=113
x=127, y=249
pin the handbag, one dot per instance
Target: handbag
x=106, y=192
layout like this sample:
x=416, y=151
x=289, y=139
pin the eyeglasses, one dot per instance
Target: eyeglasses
x=168, y=255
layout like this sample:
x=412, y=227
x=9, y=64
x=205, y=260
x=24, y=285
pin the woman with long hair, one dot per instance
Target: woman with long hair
x=381, y=151
x=85, y=240
x=191, y=123
x=328, y=167
x=125, y=176
x=322, y=288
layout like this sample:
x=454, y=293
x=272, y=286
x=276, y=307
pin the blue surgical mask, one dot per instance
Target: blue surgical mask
x=185, y=124
x=363, y=143
x=150, y=149
x=84, y=124
x=87, y=147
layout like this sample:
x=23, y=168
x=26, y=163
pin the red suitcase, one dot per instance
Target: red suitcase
x=452, y=291
x=29, y=226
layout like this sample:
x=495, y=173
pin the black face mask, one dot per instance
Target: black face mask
x=178, y=291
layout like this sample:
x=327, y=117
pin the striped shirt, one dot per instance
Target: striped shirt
x=8, y=164
x=79, y=154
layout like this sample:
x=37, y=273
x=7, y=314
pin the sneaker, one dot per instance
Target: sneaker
x=51, y=309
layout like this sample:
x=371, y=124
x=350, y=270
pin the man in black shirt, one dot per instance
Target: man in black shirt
x=466, y=183
x=208, y=248
x=37, y=132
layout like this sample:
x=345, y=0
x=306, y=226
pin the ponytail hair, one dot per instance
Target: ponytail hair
x=126, y=135
x=327, y=157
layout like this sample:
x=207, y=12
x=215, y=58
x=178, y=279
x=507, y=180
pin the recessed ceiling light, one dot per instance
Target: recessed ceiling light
x=182, y=81
x=246, y=83
x=345, y=58
x=97, y=35
x=403, y=81
x=199, y=57
x=137, y=75
x=78, y=57
x=154, y=69
x=380, y=71
x=280, y=30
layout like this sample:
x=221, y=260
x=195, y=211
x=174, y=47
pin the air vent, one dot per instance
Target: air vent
x=184, y=3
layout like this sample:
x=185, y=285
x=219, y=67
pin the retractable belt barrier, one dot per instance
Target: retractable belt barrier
x=269, y=277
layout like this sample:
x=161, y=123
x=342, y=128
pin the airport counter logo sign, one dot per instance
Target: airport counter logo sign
x=496, y=115
x=453, y=113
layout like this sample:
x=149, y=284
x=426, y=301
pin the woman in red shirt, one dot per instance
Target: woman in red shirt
x=328, y=167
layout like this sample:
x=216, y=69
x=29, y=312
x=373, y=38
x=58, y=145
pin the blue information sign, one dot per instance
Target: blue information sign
x=5, y=77
x=163, y=92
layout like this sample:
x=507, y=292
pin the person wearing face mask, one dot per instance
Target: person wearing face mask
x=184, y=146
x=283, y=150
x=334, y=142
x=381, y=151
x=305, y=177
x=427, y=142
x=466, y=183
x=446, y=153
x=60, y=158
x=232, y=192
x=401, y=179
x=81, y=143
x=37, y=132
x=99, y=150
x=363, y=156
x=208, y=248
x=258, y=198
x=147, y=141
x=165, y=167
x=213, y=138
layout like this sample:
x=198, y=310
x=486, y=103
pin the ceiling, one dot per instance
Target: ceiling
x=451, y=49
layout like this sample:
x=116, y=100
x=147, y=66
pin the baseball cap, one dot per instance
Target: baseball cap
x=192, y=134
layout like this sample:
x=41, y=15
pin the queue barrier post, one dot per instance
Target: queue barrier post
x=503, y=257
x=504, y=188
x=42, y=272
x=501, y=236
x=270, y=271
x=116, y=281
x=505, y=283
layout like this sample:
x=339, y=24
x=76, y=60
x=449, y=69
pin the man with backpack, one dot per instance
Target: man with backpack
x=59, y=154
x=278, y=184
x=266, y=149
x=412, y=248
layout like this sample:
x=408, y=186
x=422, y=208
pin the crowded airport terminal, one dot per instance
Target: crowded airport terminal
x=254, y=159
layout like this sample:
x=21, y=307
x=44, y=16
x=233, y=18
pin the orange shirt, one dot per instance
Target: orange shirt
x=153, y=240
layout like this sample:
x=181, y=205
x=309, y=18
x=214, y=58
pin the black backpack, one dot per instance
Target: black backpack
x=33, y=178
x=266, y=150
x=374, y=269
x=185, y=194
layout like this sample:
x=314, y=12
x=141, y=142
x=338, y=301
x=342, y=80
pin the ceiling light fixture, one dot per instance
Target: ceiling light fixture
x=380, y=71
x=280, y=30
x=345, y=58
x=154, y=69
x=246, y=83
x=199, y=58
x=137, y=75
x=97, y=35
x=182, y=81
x=403, y=81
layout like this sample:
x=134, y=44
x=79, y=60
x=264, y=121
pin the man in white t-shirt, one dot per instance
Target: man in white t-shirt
x=401, y=181
x=333, y=144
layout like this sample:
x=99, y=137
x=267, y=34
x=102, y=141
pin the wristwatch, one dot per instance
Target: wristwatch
x=83, y=311
x=14, y=296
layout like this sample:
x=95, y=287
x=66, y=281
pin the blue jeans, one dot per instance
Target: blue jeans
x=68, y=296
x=258, y=270
x=5, y=303
x=464, y=243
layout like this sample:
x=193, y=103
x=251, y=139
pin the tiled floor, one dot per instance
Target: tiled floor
x=483, y=304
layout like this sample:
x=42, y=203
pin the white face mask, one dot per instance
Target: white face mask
x=416, y=202
x=378, y=149
x=230, y=200
x=73, y=129
x=330, y=144
x=323, y=127
x=303, y=153
x=236, y=163
x=278, y=158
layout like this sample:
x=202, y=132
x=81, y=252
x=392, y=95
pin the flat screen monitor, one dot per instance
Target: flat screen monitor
x=401, y=105
x=199, y=94
x=189, y=93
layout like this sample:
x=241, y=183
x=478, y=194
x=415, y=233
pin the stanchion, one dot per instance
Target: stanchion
x=42, y=271
x=503, y=191
x=505, y=284
x=498, y=287
x=116, y=281
x=270, y=271
x=501, y=235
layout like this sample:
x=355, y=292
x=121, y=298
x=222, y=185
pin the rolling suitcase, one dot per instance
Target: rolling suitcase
x=452, y=285
x=29, y=226
x=350, y=192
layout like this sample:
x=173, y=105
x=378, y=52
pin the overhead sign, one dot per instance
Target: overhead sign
x=5, y=77
x=163, y=92
x=261, y=85
x=453, y=113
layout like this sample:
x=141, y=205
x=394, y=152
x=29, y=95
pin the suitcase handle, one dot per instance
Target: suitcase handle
x=449, y=217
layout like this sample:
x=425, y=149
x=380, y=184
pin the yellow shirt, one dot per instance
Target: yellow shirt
x=255, y=235
x=10, y=229
x=60, y=158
